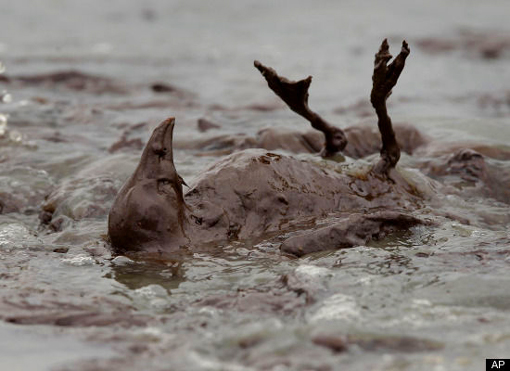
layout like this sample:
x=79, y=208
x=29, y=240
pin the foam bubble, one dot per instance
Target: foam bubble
x=79, y=260
x=337, y=307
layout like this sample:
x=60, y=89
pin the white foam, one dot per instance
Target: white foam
x=15, y=235
x=80, y=260
x=337, y=307
x=121, y=260
x=312, y=271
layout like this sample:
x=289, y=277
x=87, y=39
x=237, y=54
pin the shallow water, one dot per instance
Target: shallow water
x=431, y=298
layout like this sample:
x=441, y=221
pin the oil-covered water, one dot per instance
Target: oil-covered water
x=431, y=298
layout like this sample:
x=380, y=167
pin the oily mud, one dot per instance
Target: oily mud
x=80, y=101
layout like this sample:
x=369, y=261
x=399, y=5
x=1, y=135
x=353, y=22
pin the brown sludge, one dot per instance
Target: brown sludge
x=295, y=95
x=384, y=79
x=73, y=80
x=407, y=344
x=253, y=193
